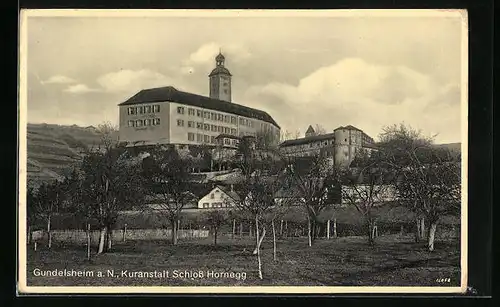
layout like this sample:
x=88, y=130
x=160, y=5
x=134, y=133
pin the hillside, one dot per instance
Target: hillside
x=454, y=147
x=53, y=149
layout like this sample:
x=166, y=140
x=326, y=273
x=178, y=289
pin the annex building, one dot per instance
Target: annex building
x=167, y=115
x=342, y=145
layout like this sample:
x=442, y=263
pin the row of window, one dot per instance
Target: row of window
x=216, y=205
x=143, y=109
x=203, y=138
x=207, y=127
x=246, y=122
x=230, y=142
x=144, y=122
x=208, y=115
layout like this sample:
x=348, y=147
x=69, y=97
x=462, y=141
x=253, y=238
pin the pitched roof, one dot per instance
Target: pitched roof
x=228, y=191
x=307, y=140
x=348, y=127
x=310, y=129
x=170, y=93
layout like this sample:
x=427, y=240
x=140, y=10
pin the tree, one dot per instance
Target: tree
x=31, y=210
x=215, y=219
x=319, y=130
x=109, y=184
x=47, y=202
x=259, y=184
x=277, y=211
x=364, y=186
x=287, y=135
x=428, y=177
x=317, y=182
x=167, y=180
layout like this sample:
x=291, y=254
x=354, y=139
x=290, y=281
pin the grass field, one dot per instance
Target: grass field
x=345, y=261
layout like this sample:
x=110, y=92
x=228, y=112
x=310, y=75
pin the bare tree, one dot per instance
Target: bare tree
x=276, y=212
x=364, y=186
x=108, y=134
x=317, y=182
x=167, y=177
x=260, y=171
x=215, y=219
x=32, y=210
x=110, y=184
x=319, y=130
x=428, y=177
x=49, y=199
x=256, y=199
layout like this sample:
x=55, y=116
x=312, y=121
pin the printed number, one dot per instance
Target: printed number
x=443, y=280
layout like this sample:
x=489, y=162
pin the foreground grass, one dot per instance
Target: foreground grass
x=349, y=261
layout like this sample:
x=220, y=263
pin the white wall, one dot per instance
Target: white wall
x=216, y=196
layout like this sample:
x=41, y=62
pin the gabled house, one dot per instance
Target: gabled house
x=219, y=197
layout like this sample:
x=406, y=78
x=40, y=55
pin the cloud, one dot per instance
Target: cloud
x=132, y=80
x=59, y=79
x=206, y=53
x=353, y=91
x=80, y=89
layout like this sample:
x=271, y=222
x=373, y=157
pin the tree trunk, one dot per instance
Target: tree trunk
x=371, y=240
x=234, y=228
x=241, y=230
x=178, y=229
x=432, y=233
x=328, y=230
x=125, y=233
x=335, y=228
x=49, y=233
x=422, y=228
x=109, y=236
x=88, y=241
x=215, y=236
x=258, y=245
x=274, y=240
x=309, y=239
x=417, y=231
x=30, y=235
x=286, y=228
x=173, y=234
x=260, y=238
x=102, y=238
x=281, y=228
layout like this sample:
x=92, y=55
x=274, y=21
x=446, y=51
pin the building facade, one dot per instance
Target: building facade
x=169, y=116
x=218, y=197
x=342, y=145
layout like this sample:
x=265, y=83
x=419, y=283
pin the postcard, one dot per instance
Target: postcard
x=243, y=151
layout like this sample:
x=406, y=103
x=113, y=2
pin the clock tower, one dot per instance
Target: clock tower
x=220, y=80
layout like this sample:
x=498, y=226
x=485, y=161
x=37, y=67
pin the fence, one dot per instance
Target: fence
x=80, y=236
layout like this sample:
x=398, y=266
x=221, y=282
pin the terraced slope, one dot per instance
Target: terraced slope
x=54, y=149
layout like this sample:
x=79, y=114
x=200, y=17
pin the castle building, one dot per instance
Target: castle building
x=167, y=115
x=342, y=145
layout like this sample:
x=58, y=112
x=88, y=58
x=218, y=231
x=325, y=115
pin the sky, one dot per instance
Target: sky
x=369, y=71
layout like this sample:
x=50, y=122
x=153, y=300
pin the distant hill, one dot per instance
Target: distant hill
x=455, y=149
x=54, y=149
x=451, y=146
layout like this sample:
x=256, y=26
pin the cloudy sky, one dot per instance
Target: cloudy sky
x=328, y=70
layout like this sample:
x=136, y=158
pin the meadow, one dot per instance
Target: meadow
x=395, y=260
